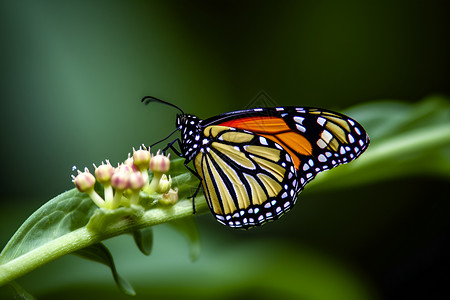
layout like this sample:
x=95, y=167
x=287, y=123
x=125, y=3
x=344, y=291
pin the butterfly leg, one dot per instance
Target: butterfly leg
x=171, y=146
x=198, y=187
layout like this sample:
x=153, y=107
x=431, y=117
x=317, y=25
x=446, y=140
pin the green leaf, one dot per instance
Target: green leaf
x=65, y=213
x=144, y=240
x=19, y=292
x=100, y=253
x=104, y=217
x=386, y=119
x=188, y=227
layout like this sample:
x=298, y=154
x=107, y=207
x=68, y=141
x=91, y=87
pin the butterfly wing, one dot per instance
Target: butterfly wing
x=316, y=139
x=247, y=179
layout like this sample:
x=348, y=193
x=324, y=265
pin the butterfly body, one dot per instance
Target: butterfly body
x=253, y=163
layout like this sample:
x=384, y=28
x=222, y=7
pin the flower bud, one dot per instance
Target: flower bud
x=159, y=163
x=141, y=158
x=84, y=181
x=170, y=198
x=120, y=178
x=136, y=181
x=104, y=172
x=164, y=184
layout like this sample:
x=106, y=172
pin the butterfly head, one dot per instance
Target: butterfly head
x=190, y=128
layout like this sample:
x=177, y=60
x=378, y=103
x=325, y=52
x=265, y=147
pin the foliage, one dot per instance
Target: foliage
x=406, y=140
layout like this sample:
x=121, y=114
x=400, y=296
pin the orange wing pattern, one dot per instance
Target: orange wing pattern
x=277, y=130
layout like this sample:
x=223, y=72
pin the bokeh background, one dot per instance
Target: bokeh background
x=73, y=74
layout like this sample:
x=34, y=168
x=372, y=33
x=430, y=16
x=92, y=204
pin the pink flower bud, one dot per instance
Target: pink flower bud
x=159, y=163
x=84, y=181
x=141, y=158
x=119, y=180
x=136, y=181
x=104, y=172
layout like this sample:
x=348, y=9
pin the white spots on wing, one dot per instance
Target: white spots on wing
x=305, y=167
x=350, y=138
x=280, y=108
x=258, y=109
x=300, y=128
x=321, y=143
x=299, y=120
x=321, y=121
x=322, y=158
x=361, y=143
x=357, y=131
x=326, y=136
x=351, y=122
x=263, y=141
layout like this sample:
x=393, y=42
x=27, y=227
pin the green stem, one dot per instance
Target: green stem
x=414, y=141
x=84, y=237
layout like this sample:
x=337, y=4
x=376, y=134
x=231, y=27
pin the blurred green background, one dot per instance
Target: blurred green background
x=73, y=73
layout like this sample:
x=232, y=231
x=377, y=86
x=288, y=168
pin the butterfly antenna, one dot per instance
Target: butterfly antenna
x=148, y=99
x=164, y=138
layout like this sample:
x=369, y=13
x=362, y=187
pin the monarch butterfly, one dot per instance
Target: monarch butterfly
x=253, y=163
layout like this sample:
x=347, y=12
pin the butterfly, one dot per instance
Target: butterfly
x=253, y=163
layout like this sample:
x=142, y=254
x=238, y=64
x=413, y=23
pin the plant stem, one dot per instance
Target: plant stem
x=84, y=237
x=413, y=141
